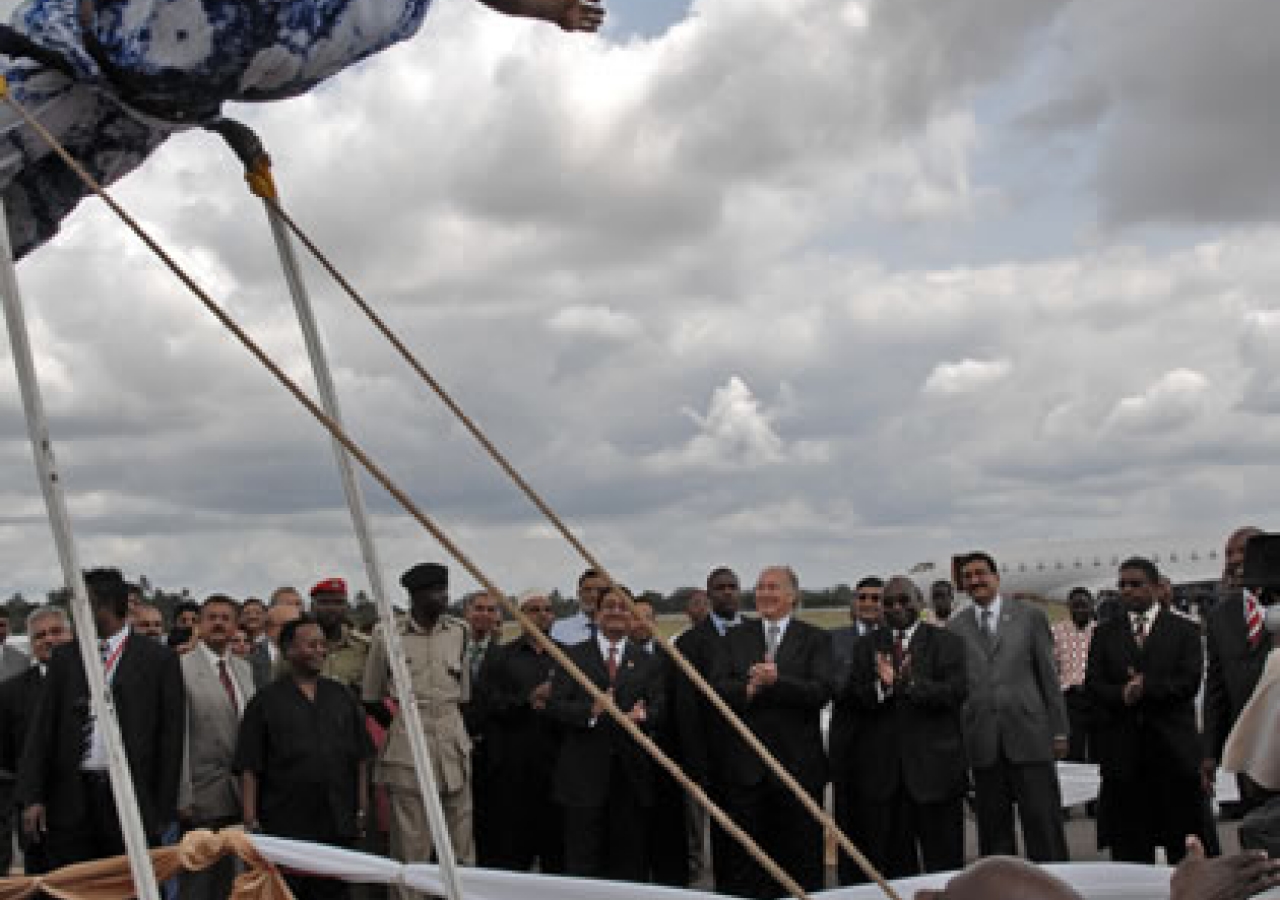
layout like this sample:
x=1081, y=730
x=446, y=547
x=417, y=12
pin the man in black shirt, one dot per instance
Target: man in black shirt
x=303, y=755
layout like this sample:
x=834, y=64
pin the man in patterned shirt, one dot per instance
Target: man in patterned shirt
x=113, y=81
x=1071, y=655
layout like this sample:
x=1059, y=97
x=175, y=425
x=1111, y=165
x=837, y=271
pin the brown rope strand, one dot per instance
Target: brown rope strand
x=422, y=518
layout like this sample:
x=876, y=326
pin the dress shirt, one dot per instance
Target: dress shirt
x=95, y=759
x=722, y=625
x=781, y=623
x=994, y=606
x=1071, y=651
x=883, y=693
x=574, y=629
x=213, y=659
x=620, y=648
x=1148, y=620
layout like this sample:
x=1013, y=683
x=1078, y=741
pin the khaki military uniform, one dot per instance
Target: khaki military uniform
x=347, y=657
x=441, y=684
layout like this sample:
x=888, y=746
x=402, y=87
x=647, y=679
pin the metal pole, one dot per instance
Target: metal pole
x=360, y=519
x=102, y=705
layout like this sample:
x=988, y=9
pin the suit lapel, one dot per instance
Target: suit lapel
x=789, y=645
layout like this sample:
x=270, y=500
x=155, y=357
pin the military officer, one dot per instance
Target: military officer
x=348, y=648
x=434, y=646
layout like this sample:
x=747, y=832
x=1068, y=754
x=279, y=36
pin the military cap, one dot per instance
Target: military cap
x=330, y=586
x=425, y=576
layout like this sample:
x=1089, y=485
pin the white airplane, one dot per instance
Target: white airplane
x=1050, y=569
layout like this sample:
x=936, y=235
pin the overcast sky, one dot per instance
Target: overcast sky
x=839, y=283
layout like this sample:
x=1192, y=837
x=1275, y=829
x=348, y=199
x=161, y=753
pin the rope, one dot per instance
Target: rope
x=409, y=506
x=813, y=807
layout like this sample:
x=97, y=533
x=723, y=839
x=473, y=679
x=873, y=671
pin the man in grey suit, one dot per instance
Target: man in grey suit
x=1015, y=720
x=219, y=685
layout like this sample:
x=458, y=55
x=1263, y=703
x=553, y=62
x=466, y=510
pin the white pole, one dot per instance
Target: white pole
x=360, y=519
x=104, y=711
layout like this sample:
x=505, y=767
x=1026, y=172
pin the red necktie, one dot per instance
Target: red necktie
x=225, y=677
x=1252, y=618
x=613, y=663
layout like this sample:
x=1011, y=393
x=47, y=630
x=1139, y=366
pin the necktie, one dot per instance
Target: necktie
x=1252, y=619
x=771, y=637
x=987, y=633
x=225, y=677
x=899, y=649
x=1140, y=628
x=613, y=663
x=104, y=648
x=477, y=653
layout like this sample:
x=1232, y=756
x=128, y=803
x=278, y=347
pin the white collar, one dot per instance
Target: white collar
x=782, y=624
x=212, y=657
x=605, y=644
x=114, y=642
x=908, y=633
x=994, y=607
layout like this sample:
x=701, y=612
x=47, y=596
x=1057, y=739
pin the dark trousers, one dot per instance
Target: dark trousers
x=1152, y=809
x=784, y=830
x=527, y=823
x=727, y=856
x=1034, y=788
x=609, y=841
x=1080, y=716
x=902, y=838
x=96, y=835
x=668, y=838
x=482, y=803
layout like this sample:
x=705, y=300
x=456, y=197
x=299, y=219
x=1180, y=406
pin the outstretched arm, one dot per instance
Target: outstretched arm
x=571, y=15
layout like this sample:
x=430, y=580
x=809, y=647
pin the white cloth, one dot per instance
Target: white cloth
x=95, y=758
x=1253, y=746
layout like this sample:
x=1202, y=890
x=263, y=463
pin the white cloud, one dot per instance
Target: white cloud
x=965, y=377
x=1172, y=401
x=594, y=321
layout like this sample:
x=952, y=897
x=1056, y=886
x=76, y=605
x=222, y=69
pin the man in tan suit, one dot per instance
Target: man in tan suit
x=433, y=645
x=218, y=685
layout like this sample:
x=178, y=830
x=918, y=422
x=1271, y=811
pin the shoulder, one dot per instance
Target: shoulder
x=357, y=638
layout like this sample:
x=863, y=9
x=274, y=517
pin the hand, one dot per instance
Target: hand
x=598, y=707
x=884, y=669
x=1209, y=777
x=579, y=15
x=538, y=696
x=1061, y=747
x=764, y=674
x=1132, y=691
x=34, y=825
x=638, y=713
x=1223, y=878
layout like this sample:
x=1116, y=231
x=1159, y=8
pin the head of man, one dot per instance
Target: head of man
x=1080, y=607
x=135, y=595
x=277, y=618
x=253, y=617
x=866, y=602
x=537, y=606
x=902, y=602
x=304, y=646
x=186, y=614
x=428, y=587
x=286, y=595
x=240, y=644
x=696, y=606
x=777, y=591
x=1139, y=584
x=1002, y=878
x=109, y=599
x=942, y=597
x=724, y=593
x=1233, y=556
x=47, y=627
x=147, y=621
x=980, y=577
x=481, y=612
x=644, y=623
x=591, y=587
x=217, y=622
x=613, y=613
x=329, y=606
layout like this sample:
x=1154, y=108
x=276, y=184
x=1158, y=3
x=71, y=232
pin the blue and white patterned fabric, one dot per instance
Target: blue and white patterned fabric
x=188, y=55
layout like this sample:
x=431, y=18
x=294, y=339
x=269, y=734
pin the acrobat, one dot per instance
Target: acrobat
x=112, y=79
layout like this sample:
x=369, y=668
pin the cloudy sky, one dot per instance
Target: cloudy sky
x=842, y=283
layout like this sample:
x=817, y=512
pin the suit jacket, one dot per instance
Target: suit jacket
x=844, y=715
x=911, y=734
x=589, y=750
x=1160, y=729
x=703, y=733
x=151, y=708
x=785, y=716
x=1232, y=672
x=12, y=662
x=1015, y=701
x=18, y=698
x=260, y=664
x=208, y=786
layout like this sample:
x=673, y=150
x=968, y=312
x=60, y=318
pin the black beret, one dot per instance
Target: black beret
x=425, y=576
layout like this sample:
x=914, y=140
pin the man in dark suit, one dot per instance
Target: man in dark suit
x=906, y=768
x=1237, y=651
x=703, y=732
x=1015, y=720
x=866, y=615
x=1143, y=675
x=775, y=672
x=603, y=778
x=63, y=785
x=47, y=628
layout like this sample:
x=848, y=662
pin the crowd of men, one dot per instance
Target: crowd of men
x=282, y=719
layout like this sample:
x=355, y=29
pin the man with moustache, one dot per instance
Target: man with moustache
x=524, y=742
x=905, y=770
x=775, y=673
x=433, y=645
x=866, y=616
x=704, y=733
x=581, y=625
x=47, y=628
x=218, y=687
x=484, y=624
x=1237, y=648
x=348, y=648
x=1070, y=656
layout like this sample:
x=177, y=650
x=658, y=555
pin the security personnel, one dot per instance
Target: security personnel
x=348, y=648
x=433, y=645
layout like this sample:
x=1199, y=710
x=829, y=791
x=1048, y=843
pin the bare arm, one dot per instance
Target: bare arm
x=571, y=15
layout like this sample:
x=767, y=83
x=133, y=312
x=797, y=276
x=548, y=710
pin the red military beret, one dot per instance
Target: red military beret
x=330, y=586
